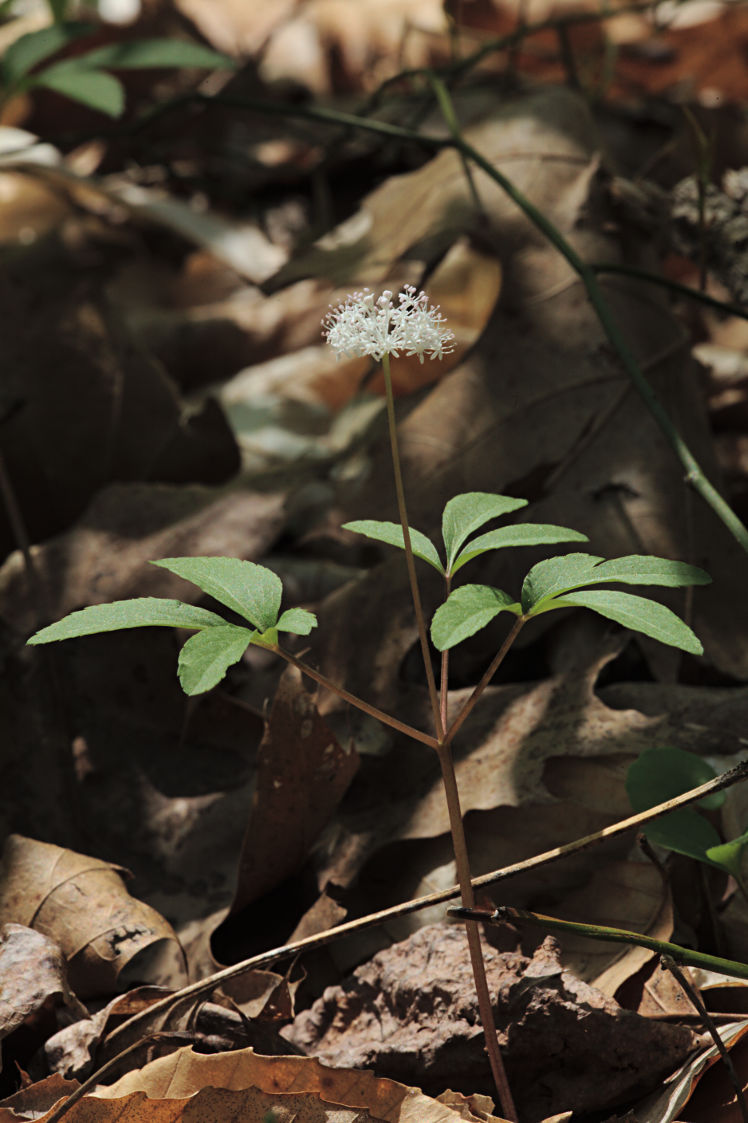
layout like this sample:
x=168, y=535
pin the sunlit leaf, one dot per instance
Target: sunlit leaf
x=141, y=612
x=251, y=590
x=637, y=613
x=205, y=657
x=392, y=534
x=522, y=534
x=727, y=855
x=465, y=611
x=465, y=513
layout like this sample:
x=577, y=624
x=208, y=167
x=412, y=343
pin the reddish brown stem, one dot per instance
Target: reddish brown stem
x=359, y=703
x=490, y=672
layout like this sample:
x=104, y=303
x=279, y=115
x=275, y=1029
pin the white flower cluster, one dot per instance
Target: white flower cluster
x=377, y=326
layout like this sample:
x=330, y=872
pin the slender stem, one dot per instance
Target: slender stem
x=445, y=104
x=485, y=1007
x=359, y=703
x=409, y=559
x=700, y=297
x=488, y=675
x=96, y=1077
x=444, y=669
x=611, y=935
x=451, y=792
x=687, y=986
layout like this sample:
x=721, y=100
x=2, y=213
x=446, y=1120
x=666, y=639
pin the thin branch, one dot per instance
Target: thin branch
x=602, y=267
x=687, y=986
x=491, y=670
x=694, y=472
x=610, y=935
x=359, y=703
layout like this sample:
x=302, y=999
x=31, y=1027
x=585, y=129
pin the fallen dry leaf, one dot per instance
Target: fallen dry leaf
x=294, y=1088
x=322, y=43
x=302, y=773
x=32, y=979
x=411, y=1012
x=35, y=998
x=538, y=765
x=714, y=1100
x=36, y=1100
x=84, y=406
x=71, y=1051
x=82, y=904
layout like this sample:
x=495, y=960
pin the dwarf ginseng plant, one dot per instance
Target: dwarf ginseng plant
x=380, y=327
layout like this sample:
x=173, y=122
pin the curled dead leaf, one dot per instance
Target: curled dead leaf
x=82, y=904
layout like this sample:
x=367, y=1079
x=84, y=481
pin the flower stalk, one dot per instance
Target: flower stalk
x=377, y=327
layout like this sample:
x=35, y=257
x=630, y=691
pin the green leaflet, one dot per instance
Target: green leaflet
x=659, y=774
x=557, y=575
x=144, y=54
x=28, y=50
x=296, y=620
x=465, y=513
x=93, y=88
x=467, y=610
x=205, y=657
x=251, y=590
x=663, y=772
x=638, y=613
x=142, y=612
x=523, y=534
x=392, y=535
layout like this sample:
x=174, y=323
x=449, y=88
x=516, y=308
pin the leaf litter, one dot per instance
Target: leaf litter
x=530, y=403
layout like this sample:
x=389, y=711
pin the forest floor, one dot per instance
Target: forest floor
x=167, y=392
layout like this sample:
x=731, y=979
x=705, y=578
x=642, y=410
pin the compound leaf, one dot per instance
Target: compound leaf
x=205, y=657
x=465, y=611
x=522, y=534
x=638, y=613
x=296, y=620
x=465, y=513
x=392, y=534
x=141, y=612
x=251, y=590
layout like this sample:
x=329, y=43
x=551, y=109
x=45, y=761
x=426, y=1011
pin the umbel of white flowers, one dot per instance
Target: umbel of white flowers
x=379, y=326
